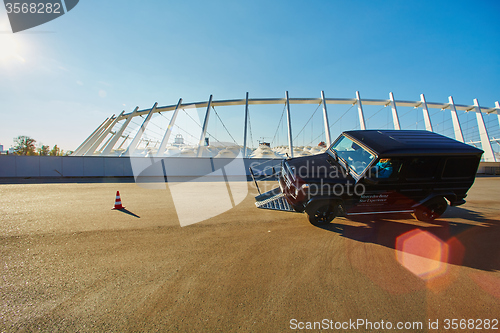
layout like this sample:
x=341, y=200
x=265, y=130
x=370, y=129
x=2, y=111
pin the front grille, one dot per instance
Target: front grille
x=290, y=186
x=287, y=180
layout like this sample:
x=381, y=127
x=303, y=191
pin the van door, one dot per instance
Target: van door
x=383, y=189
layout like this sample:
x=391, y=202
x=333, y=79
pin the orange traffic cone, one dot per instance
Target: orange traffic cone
x=118, y=201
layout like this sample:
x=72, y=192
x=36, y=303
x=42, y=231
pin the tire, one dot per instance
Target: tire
x=431, y=210
x=322, y=212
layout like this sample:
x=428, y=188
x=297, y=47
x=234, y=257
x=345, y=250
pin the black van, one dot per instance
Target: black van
x=377, y=172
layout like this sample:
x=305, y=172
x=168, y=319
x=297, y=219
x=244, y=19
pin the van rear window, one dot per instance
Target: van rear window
x=421, y=168
x=460, y=167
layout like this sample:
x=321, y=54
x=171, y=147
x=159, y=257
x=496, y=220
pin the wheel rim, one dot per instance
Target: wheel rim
x=323, y=214
x=433, y=211
x=436, y=210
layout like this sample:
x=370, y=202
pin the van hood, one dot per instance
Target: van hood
x=317, y=167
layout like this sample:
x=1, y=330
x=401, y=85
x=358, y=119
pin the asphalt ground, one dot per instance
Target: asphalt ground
x=70, y=263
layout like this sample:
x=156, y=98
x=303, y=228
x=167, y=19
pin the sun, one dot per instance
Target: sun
x=10, y=46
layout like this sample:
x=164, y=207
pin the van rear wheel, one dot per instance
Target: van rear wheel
x=431, y=210
x=322, y=212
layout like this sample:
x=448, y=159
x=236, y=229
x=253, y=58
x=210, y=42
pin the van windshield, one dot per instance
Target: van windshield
x=356, y=157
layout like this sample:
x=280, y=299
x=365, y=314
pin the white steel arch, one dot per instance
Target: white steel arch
x=89, y=146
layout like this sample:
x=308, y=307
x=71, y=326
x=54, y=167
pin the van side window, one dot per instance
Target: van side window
x=464, y=167
x=385, y=168
x=421, y=167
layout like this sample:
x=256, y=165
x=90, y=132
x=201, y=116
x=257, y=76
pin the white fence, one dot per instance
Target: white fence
x=13, y=166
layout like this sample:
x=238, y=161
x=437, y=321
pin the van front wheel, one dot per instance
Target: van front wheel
x=431, y=210
x=321, y=212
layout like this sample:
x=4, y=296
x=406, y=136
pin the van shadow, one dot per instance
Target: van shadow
x=478, y=240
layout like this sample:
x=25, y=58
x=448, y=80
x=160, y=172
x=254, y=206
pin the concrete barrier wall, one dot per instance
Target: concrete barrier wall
x=13, y=166
x=489, y=168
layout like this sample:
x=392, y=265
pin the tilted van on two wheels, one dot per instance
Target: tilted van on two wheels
x=377, y=172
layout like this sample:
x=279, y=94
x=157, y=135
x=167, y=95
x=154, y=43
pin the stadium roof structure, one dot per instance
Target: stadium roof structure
x=104, y=140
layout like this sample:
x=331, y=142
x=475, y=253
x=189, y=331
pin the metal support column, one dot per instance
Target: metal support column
x=427, y=118
x=205, y=127
x=135, y=142
x=101, y=138
x=360, y=112
x=489, y=156
x=325, y=120
x=395, y=117
x=459, y=136
x=107, y=141
x=124, y=140
x=245, y=128
x=166, y=137
x=497, y=106
x=118, y=134
x=95, y=137
x=289, y=123
x=78, y=150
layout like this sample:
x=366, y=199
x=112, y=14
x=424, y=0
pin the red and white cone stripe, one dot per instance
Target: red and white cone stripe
x=118, y=201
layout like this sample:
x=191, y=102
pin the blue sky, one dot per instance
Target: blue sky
x=59, y=81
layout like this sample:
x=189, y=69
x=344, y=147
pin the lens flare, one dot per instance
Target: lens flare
x=422, y=253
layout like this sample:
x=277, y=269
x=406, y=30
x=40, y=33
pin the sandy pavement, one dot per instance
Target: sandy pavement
x=70, y=263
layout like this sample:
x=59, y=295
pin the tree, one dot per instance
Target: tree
x=43, y=150
x=24, y=145
x=55, y=151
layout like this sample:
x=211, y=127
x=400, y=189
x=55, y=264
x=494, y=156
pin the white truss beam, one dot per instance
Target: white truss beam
x=360, y=112
x=497, y=107
x=163, y=144
x=489, y=156
x=123, y=142
x=205, y=127
x=262, y=101
x=427, y=118
x=459, y=136
x=245, y=128
x=136, y=140
x=95, y=137
x=289, y=124
x=103, y=135
x=118, y=134
x=78, y=150
x=395, y=117
x=325, y=121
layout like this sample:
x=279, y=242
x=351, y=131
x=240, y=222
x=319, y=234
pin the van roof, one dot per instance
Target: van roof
x=411, y=142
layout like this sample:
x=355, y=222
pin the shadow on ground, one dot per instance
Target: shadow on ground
x=126, y=211
x=477, y=234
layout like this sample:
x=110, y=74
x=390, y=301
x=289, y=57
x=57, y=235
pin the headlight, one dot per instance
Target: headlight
x=302, y=188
